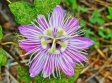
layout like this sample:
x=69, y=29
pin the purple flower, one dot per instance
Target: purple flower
x=54, y=45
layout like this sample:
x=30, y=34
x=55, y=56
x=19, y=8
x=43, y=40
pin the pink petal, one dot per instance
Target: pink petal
x=37, y=65
x=80, y=43
x=42, y=22
x=75, y=55
x=71, y=26
x=29, y=31
x=57, y=17
x=29, y=45
x=48, y=68
x=66, y=67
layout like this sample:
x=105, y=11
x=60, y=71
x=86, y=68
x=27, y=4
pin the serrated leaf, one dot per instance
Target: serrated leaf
x=3, y=57
x=25, y=13
x=24, y=74
x=45, y=6
x=62, y=79
x=1, y=34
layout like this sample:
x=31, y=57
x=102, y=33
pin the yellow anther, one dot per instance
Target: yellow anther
x=63, y=44
x=60, y=33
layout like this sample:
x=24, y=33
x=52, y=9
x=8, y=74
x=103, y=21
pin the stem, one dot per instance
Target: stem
x=77, y=73
x=11, y=54
x=9, y=43
x=9, y=1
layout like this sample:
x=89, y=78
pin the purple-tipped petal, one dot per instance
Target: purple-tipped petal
x=75, y=55
x=37, y=65
x=66, y=67
x=29, y=44
x=80, y=43
x=71, y=26
x=42, y=22
x=48, y=68
x=57, y=17
x=29, y=31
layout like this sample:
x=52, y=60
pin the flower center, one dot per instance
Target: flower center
x=54, y=42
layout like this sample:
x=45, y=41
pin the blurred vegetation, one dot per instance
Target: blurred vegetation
x=95, y=22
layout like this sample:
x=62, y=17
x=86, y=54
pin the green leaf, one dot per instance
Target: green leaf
x=24, y=74
x=102, y=33
x=1, y=34
x=109, y=32
x=105, y=32
x=110, y=48
x=25, y=13
x=82, y=8
x=72, y=4
x=100, y=21
x=45, y=6
x=88, y=33
x=92, y=20
x=82, y=23
x=97, y=44
x=110, y=13
x=3, y=57
x=63, y=79
x=96, y=18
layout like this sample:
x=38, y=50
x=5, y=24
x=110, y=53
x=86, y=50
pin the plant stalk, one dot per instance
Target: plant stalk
x=11, y=54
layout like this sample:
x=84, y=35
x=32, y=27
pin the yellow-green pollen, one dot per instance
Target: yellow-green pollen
x=53, y=40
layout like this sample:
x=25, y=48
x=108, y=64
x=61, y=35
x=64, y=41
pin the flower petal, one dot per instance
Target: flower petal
x=57, y=17
x=75, y=55
x=42, y=22
x=66, y=67
x=37, y=65
x=80, y=42
x=29, y=45
x=30, y=31
x=48, y=68
x=71, y=26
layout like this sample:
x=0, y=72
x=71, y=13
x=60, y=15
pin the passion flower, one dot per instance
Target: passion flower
x=54, y=43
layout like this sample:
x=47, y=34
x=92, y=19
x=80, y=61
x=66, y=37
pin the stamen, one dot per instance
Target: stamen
x=63, y=45
x=60, y=33
x=46, y=42
x=43, y=45
x=41, y=36
x=48, y=32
